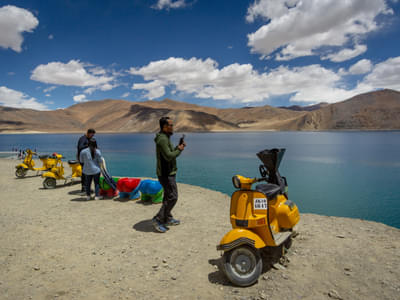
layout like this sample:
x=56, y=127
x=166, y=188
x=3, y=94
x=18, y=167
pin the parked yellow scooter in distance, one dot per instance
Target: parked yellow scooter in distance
x=57, y=173
x=29, y=164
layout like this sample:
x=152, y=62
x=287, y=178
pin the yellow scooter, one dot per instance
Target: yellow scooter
x=29, y=164
x=57, y=173
x=261, y=218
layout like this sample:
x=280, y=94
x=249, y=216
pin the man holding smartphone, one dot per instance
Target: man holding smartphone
x=166, y=172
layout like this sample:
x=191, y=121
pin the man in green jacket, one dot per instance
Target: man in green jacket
x=166, y=172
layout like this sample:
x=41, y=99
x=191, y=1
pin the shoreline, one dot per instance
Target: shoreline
x=14, y=159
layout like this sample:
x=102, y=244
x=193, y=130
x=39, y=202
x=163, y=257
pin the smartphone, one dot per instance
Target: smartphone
x=182, y=139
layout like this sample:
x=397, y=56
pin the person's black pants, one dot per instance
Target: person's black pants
x=170, y=198
x=88, y=179
x=83, y=180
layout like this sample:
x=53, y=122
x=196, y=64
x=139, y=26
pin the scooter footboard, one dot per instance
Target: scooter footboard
x=49, y=174
x=237, y=237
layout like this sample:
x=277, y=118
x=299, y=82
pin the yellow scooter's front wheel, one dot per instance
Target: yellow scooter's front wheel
x=49, y=183
x=242, y=265
x=20, y=172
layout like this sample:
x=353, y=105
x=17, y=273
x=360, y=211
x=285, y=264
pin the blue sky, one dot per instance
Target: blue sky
x=54, y=54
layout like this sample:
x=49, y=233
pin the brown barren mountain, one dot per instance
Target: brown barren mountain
x=306, y=108
x=378, y=110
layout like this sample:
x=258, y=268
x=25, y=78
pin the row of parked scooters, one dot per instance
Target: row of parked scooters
x=52, y=169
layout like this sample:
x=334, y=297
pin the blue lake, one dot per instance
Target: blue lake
x=349, y=174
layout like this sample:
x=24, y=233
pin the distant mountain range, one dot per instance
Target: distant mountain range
x=379, y=110
x=306, y=108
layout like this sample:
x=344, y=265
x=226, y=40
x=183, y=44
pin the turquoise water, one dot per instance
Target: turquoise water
x=350, y=174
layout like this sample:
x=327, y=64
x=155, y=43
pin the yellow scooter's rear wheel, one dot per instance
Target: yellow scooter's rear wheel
x=242, y=265
x=20, y=172
x=49, y=183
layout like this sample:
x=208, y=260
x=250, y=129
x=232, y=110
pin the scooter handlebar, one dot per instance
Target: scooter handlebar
x=261, y=179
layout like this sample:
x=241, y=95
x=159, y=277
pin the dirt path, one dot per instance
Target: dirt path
x=55, y=245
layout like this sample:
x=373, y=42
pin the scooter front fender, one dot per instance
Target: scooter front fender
x=240, y=236
x=49, y=174
x=21, y=166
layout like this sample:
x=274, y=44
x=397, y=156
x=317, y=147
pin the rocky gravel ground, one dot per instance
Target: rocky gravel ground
x=56, y=245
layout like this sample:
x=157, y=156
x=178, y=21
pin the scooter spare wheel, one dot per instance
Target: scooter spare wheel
x=20, y=172
x=49, y=183
x=242, y=265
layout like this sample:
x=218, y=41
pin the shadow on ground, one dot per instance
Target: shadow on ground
x=144, y=226
x=77, y=192
x=218, y=277
x=81, y=199
x=29, y=176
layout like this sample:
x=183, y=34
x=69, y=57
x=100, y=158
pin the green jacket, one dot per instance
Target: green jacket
x=166, y=155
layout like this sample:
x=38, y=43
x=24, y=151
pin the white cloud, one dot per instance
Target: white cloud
x=13, y=22
x=48, y=95
x=50, y=37
x=383, y=75
x=90, y=90
x=239, y=83
x=97, y=71
x=49, y=89
x=155, y=89
x=79, y=98
x=361, y=67
x=168, y=4
x=103, y=87
x=298, y=28
x=72, y=73
x=346, y=54
x=13, y=98
x=107, y=87
x=126, y=95
x=268, y=9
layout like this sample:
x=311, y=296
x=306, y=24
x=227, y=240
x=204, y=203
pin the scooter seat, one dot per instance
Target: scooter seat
x=268, y=189
x=73, y=162
x=43, y=156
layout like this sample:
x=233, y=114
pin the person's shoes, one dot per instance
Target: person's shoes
x=88, y=198
x=173, y=222
x=158, y=226
x=98, y=198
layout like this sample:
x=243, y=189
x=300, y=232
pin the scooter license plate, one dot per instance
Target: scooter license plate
x=260, y=204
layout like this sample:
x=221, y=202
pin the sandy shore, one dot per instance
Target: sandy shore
x=55, y=245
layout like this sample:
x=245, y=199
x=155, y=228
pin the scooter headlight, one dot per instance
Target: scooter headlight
x=236, y=182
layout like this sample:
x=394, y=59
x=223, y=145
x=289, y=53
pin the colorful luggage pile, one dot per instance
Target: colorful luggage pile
x=147, y=190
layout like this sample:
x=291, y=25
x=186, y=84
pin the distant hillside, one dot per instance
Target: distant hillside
x=306, y=108
x=378, y=110
x=370, y=111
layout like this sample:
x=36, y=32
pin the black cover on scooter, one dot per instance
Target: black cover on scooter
x=272, y=159
x=108, y=178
